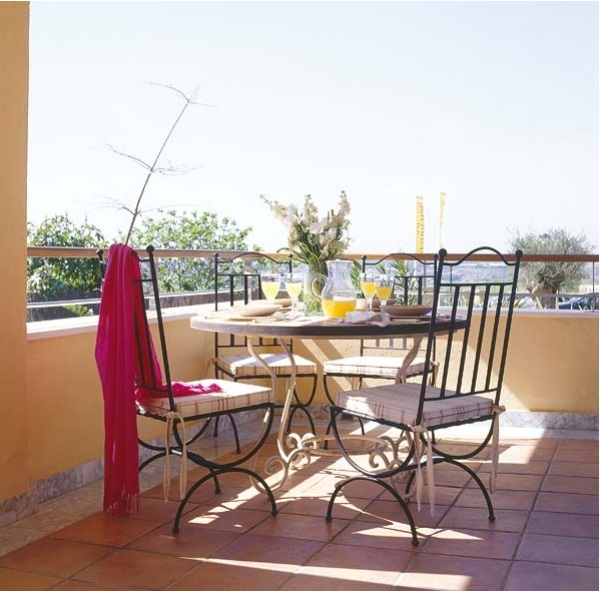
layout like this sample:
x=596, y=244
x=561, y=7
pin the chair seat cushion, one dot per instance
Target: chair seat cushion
x=398, y=403
x=246, y=365
x=373, y=366
x=234, y=396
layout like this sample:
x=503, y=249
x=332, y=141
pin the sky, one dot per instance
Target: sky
x=493, y=103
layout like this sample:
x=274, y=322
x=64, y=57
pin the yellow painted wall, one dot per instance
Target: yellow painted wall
x=14, y=80
x=65, y=426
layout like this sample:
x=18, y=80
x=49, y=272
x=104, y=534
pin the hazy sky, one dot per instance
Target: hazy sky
x=494, y=103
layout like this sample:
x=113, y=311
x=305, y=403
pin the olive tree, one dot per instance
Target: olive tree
x=551, y=277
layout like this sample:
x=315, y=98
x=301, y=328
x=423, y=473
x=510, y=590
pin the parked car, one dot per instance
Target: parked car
x=589, y=301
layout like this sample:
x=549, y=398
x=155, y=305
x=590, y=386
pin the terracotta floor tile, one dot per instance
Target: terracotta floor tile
x=339, y=561
x=535, y=576
x=13, y=580
x=472, y=518
x=559, y=550
x=576, y=455
x=533, y=467
x=563, y=524
x=394, y=536
x=273, y=553
x=192, y=541
x=105, y=529
x=60, y=558
x=300, y=527
x=473, y=543
x=390, y=511
x=226, y=576
x=501, y=499
x=129, y=568
x=506, y=481
x=222, y=518
x=83, y=586
x=574, y=469
x=304, y=582
x=317, y=507
x=522, y=454
x=571, y=484
x=567, y=503
x=152, y=509
x=449, y=573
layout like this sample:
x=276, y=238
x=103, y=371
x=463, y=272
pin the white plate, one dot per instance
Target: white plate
x=254, y=311
x=406, y=311
x=281, y=302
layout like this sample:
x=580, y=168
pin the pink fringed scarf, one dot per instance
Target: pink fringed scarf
x=121, y=309
x=115, y=358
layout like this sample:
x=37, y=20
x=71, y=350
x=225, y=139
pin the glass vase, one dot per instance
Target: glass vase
x=314, y=281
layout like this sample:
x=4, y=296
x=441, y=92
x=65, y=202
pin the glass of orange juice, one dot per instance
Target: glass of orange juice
x=293, y=286
x=384, y=286
x=270, y=284
x=367, y=285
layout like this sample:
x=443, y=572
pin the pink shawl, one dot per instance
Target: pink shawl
x=115, y=358
x=120, y=368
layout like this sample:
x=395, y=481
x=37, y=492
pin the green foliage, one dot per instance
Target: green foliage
x=54, y=278
x=552, y=277
x=193, y=231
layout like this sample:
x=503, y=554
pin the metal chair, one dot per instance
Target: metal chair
x=239, y=278
x=185, y=407
x=475, y=304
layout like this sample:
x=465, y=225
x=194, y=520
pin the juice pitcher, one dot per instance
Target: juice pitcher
x=339, y=293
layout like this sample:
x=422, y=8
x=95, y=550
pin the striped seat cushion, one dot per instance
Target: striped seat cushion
x=398, y=403
x=234, y=396
x=246, y=365
x=373, y=366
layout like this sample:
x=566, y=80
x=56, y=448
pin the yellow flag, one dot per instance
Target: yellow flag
x=441, y=217
x=420, y=225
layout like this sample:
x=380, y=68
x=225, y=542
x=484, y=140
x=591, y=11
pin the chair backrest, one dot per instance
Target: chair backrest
x=413, y=284
x=238, y=276
x=413, y=276
x=237, y=281
x=149, y=377
x=475, y=301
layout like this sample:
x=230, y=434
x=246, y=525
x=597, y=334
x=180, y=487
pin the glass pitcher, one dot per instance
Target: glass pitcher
x=339, y=294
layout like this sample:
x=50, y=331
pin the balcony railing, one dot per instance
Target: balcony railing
x=89, y=305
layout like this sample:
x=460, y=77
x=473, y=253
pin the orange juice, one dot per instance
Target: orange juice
x=384, y=292
x=270, y=289
x=368, y=288
x=294, y=289
x=338, y=308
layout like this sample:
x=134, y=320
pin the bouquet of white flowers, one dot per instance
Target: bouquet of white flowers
x=313, y=240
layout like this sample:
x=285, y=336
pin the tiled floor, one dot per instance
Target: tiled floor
x=545, y=537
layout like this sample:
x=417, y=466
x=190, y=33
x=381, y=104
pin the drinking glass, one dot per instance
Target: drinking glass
x=293, y=286
x=384, y=285
x=270, y=284
x=367, y=285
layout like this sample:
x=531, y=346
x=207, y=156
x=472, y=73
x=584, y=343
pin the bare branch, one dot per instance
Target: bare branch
x=130, y=156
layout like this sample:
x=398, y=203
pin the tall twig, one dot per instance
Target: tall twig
x=153, y=168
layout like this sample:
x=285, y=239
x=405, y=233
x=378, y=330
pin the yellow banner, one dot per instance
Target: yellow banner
x=441, y=218
x=420, y=225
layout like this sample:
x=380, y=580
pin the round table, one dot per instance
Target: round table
x=295, y=449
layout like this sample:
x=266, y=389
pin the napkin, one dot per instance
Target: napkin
x=376, y=318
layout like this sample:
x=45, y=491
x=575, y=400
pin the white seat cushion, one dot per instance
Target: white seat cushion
x=234, y=396
x=398, y=403
x=374, y=366
x=246, y=365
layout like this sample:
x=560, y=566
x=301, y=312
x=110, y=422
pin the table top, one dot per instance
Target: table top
x=317, y=327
